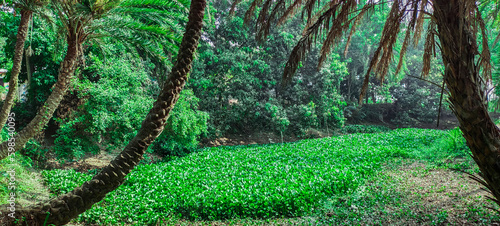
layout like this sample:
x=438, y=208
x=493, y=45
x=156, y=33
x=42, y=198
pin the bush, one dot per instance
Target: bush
x=36, y=153
x=415, y=103
x=183, y=128
x=302, y=117
x=115, y=107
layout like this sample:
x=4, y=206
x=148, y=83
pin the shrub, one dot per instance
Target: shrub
x=36, y=153
x=302, y=117
x=183, y=128
x=415, y=103
x=115, y=107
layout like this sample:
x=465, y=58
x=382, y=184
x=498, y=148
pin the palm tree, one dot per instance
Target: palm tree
x=27, y=8
x=141, y=29
x=62, y=209
x=452, y=27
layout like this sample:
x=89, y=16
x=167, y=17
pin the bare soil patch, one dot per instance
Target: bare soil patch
x=91, y=162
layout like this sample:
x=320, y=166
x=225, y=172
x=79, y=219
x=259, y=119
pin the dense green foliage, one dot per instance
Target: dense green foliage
x=47, y=53
x=235, y=88
x=239, y=81
x=263, y=181
x=113, y=110
x=117, y=78
x=63, y=181
x=184, y=127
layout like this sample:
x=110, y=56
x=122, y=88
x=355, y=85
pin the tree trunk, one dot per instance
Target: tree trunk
x=62, y=209
x=22, y=32
x=59, y=89
x=467, y=89
x=29, y=67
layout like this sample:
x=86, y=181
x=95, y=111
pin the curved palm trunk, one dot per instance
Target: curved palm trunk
x=467, y=92
x=59, y=89
x=66, y=207
x=22, y=32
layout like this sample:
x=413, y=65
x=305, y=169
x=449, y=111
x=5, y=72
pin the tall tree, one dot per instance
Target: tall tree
x=62, y=209
x=456, y=24
x=96, y=19
x=27, y=8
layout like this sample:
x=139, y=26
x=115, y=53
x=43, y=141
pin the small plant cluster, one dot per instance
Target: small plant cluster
x=63, y=181
x=260, y=181
x=363, y=129
x=451, y=151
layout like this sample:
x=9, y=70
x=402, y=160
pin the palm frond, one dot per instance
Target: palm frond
x=429, y=48
x=419, y=23
x=151, y=16
x=340, y=24
x=304, y=44
x=290, y=11
x=94, y=9
x=367, y=8
x=120, y=27
x=263, y=21
x=170, y=5
x=331, y=20
x=335, y=18
x=390, y=36
x=383, y=55
x=309, y=6
x=402, y=52
x=32, y=5
x=251, y=10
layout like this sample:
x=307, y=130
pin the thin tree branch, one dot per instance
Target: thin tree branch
x=431, y=82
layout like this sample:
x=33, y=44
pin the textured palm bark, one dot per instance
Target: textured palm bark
x=59, y=89
x=62, y=209
x=467, y=92
x=22, y=32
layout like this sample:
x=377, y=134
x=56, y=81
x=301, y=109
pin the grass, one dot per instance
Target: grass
x=326, y=180
x=24, y=183
x=410, y=192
